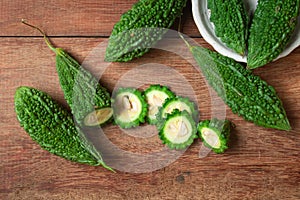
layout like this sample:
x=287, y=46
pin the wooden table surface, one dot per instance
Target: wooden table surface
x=260, y=164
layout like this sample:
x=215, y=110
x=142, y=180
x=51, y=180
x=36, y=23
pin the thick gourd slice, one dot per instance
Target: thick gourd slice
x=130, y=107
x=98, y=117
x=178, y=130
x=53, y=128
x=179, y=103
x=215, y=134
x=155, y=96
x=141, y=27
x=231, y=22
x=271, y=29
x=245, y=93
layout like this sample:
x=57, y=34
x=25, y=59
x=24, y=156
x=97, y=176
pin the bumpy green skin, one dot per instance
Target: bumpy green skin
x=162, y=133
x=231, y=23
x=141, y=27
x=245, y=93
x=160, y=88
x=221, y=128
x=81, y=90
x=272, y=27
x=142, y=115
x=52, y=127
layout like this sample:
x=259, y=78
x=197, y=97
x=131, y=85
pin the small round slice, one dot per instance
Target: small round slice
x=215, y=134
x=98, y=117
x=155, y=97
x=130, y=107
x=178, y=130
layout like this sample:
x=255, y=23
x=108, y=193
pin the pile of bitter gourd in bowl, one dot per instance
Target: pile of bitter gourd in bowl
x=59, y=131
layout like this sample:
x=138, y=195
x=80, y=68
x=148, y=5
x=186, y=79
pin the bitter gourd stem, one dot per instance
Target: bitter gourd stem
x=186, y=42
x=43, y=33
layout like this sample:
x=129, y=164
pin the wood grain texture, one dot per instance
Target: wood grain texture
x=260, y=164
x=71, y=18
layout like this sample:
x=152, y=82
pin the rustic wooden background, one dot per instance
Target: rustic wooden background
x=260, y=164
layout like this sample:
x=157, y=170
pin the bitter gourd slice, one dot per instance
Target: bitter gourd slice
x=215, y=134
x=271, y=29
x=130, y=107
x=246, y=94
x=141, y=27
x=231, y=23
x=180, y=103
x=82, y=90
x=155, y=96
x=179, y=130
x=98, y=117
x=53, y=128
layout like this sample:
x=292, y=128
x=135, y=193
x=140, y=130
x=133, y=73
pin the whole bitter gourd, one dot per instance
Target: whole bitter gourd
x=141, y=27
x=272, y=27
x=82, y=90
x=52, y=127
x=231, y=22
x=245, y=93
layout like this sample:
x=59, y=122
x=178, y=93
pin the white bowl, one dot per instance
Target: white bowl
x=201, y=17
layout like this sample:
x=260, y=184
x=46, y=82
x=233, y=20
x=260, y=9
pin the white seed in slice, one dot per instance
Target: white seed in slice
x=182, y=130
x=134, y=106
x=126, y=103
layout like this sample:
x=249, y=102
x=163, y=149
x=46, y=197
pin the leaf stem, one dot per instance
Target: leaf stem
x=42, y=32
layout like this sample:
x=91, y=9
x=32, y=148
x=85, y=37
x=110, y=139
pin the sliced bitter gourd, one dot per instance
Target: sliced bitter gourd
x=179, y=130
x=155, y=96
x=129, y=107
x=215, y=134
x=98, y=117
x=53, y=128
x=179, y=103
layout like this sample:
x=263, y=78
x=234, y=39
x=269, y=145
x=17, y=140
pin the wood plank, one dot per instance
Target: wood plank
x=70, y=18
x=260, y=164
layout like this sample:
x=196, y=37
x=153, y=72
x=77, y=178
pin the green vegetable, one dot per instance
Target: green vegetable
x=52, y=127
x=245, y=93
x=98, y=117
x=215, y=134
x=179, y=103
x=272, y=27
x=179, y=130
x=82, y=90
x=230, y=21
x=130, y=107
x=141, y=27
x=155, y=96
